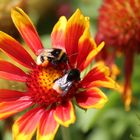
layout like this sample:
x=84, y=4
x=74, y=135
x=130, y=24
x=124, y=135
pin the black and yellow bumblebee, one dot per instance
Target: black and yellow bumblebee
x=64, y=83
x=54, y=56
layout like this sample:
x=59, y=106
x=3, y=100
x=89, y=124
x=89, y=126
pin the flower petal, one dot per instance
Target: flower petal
x=11, y=95
x=15, y=50
x=92, y=55
x=91, y=98
x=26, y=29
x=65, y=114
x=85, y=45
x=47, y=127
x=12, y=102
x=25, y=126
x=11, y=72
x=58, y=33
x=74, y=29
x=99, y=77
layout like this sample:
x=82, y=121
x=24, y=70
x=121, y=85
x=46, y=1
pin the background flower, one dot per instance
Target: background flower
x=121, y=30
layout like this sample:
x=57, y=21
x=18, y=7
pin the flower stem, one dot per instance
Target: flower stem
x=65, y=133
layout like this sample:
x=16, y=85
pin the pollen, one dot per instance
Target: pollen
x=47, y=77
x=40, y=83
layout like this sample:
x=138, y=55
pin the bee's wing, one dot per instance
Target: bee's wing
x=62, y=85
x=38, y=60
x=48, y=52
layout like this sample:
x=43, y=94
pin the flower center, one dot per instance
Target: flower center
x=40, y=84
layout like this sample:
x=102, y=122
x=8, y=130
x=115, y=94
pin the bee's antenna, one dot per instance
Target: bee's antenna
x=72, y=54
x=69, y=57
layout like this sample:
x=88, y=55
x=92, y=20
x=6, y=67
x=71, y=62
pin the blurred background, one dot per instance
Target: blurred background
x=112, y=122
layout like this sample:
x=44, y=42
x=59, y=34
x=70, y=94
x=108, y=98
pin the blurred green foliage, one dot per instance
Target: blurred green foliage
x=110, y=123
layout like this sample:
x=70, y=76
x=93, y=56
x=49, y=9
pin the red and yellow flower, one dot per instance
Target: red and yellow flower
x=48, y=109
x=118, y=26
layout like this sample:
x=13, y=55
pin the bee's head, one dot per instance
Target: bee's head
x=73, y=75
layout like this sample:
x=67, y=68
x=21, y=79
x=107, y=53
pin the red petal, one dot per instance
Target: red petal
x=75, y=28
x=91, y=98
x=11, y=95
x=99, y=76
x=27, y=30
x=25, y=126
x=65, y=114
x=58, y=33
x=11, y=72
x=91, y=55
x=85, y=46
x=47, y=126
x=12, y=102
x=15, y=50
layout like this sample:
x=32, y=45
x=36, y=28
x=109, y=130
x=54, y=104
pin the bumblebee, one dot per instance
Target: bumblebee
x=64, y=83
x=54, y=56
